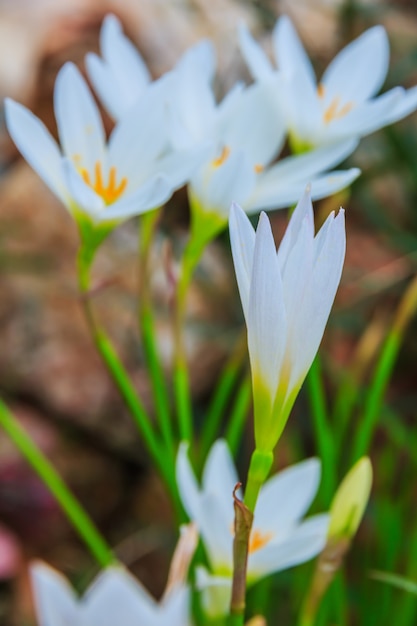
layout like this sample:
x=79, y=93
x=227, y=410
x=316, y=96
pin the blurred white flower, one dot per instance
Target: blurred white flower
x=279, y=538
x=342, y=104
x=121, y=78
x=248, y=135
x=286, y=298
x=102, y=182
x=115, y=597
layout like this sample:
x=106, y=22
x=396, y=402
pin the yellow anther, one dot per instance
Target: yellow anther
x=334, y=111
x=258, y=168
x=321, y=90
x=258, y=540
x=222, y=158
x=111, y=191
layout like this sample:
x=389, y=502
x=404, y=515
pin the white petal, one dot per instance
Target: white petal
x=175, y=609
x=80, y=127
x=285, y=194
x=104, y=84
x=305, y=166
x=130, y=75
x=217, y=187
x=302, y=103
x=151, y=195
x=139, y=138
x=253, y=124
x=220, y=476
x=359, y=70
x=179, y=166
x=332, y=182
x=305, y=542
x=199, y=59
x=286, y=497
x=242, y=240
x=56, y=603
x=187, y=484
x=407, y=105
x=310, y=320
x=120, y=53
x=215, y=525
x=257, y=61
x=116, y=597
x=216, y=592
x=37, y=146
x=266, y=314
x=303, y=210
x=366, y=118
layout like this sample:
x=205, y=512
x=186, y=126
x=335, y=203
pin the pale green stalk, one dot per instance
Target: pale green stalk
x=123, y=383
x=73, y=510
x=147, y=328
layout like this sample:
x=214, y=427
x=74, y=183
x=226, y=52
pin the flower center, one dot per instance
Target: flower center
x=110, y=190
x=334, y=111
x=258, y=540
x=222, y=158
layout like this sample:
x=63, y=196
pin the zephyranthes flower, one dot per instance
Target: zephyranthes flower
x=279, y=538
x=286, y=298
x=342, y=104
x=103, y=183
x=114, y=598
x=121, y=78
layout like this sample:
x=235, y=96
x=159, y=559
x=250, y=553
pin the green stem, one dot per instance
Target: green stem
x=323, y=432
x=259, y=468
x=221, y=397
x=123, y=383
x=238, y=415
x=69, y=504
x=190, y=259
x=383, y=370
x=147, y=328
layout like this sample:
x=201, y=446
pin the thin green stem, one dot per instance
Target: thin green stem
x=383, y=371
x=239, y=414
x=190, y=259
x=69, y=504
x=323, y=432
x=222, y=396
x=124, y=385
x=147, y=328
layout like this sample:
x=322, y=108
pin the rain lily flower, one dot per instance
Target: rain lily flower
x=247, y=136
x=121, y=76
x=286, y=299
x=279, y=538
x=115, y=597
x=101, y=183
x=343, y=103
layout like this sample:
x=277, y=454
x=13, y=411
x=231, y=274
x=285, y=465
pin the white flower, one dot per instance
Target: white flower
x=286, y=298
x=121, y=77
x=342, y=104
x=247, y=136
x=102, y=182
x=114, y=598
x=279, y=539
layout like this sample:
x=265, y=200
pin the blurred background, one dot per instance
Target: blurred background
x=54, y=382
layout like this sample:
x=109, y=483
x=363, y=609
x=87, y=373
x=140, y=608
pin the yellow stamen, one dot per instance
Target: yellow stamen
x=111, y=191
x=258, y=540
x=222, y=158
x=334, y=111
x=258, y=168
x=320, y=90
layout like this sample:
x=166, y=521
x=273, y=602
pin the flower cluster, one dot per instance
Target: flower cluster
x=173, y=132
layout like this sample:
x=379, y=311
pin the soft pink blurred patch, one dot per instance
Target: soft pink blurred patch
x=10, y=554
